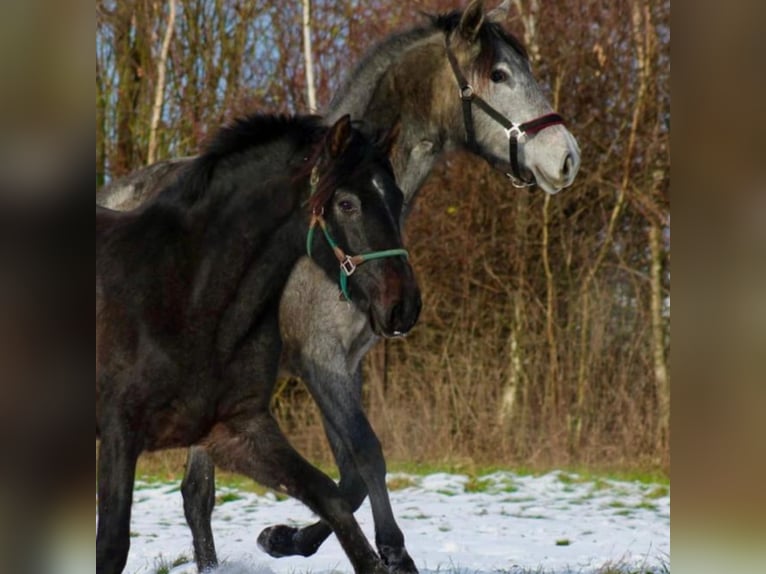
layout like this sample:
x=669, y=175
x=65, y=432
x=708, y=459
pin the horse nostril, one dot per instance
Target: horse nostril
x=566, y=170
x=394, y=318
x=403, y=316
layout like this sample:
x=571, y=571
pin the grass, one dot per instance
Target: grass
x=658, y=492
x=400, y=482
x=227, y=497
x=579, y=475
x=609, y=568
x=573, y=474
x=163, y=565
x=476, y=484
x=618, y=568
x=166, y=466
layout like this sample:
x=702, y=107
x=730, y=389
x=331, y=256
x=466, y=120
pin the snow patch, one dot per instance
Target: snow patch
x=556, y=523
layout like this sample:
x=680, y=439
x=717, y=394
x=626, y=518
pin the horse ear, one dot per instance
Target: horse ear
x=339, y=136
x=389, y=137
x=471, y=20
x=499, y=14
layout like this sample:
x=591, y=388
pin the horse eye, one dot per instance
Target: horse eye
x=346, y=206
x=498, y=76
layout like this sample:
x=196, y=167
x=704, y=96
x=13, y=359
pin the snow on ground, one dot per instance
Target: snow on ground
x=555, y=523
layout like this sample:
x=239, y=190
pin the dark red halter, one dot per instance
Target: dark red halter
x=515, y=132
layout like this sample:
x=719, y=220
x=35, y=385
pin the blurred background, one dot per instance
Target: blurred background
x=545, y=334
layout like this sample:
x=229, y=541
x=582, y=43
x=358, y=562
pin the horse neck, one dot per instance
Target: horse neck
x=245, y=196
x=407, y=80
x=232, y=225
x=244, y=220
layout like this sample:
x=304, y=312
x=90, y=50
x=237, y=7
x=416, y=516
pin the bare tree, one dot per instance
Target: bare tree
x=658, y=337
x=159, y=89
x=308, y=57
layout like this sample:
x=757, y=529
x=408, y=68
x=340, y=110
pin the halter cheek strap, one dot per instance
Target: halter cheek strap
x=348, y=263
x=516, y=132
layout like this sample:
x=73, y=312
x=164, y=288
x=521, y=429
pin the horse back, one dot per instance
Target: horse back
x=106, y=219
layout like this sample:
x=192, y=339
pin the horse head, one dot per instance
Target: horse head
x=357, y=205
x=507, y=118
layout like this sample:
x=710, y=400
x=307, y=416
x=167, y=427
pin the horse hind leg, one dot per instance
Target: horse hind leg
x=255, y=446
x=198, y=490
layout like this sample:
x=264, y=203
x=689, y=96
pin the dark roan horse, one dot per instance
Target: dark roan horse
x=415, y=77
x=187, y=294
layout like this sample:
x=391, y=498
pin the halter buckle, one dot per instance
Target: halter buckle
x=466, y=92
x=515, y=131
x=519, y=183
x=347, y=266
x=314, y=180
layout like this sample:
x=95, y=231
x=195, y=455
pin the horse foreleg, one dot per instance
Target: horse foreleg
x=363, y=469
x=117, y=456
x=255, y=446
x=198, y=490
x=341, y=405
x=284, y=540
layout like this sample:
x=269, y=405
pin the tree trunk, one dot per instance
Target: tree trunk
x=130, y=56
x=514, y=402
x=661, y=381
x=551, y=387
x=159, y=90
x=101, y=110
x=528, y=16
x=308, y=58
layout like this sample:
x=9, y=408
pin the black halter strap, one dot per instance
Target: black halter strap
x=516, y=132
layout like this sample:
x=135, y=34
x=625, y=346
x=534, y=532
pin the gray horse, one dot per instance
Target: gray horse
x=459, y=82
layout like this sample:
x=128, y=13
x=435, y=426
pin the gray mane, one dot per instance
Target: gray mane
x=355, y=92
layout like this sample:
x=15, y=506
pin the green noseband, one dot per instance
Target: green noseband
x=348, y=263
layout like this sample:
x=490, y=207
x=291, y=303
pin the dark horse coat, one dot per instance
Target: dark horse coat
x=187, y=292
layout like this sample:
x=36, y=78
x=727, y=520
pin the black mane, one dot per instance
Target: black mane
x=238, y=137
x=488, y=32
x=259, y=129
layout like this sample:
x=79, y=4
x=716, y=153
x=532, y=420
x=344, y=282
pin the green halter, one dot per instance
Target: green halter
x=348, y=263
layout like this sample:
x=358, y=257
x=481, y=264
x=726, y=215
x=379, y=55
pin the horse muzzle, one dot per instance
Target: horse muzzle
x=395, y=306
x=553, y=159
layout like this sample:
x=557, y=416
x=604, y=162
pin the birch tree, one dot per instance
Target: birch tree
x=308, y=58
x=159, y=90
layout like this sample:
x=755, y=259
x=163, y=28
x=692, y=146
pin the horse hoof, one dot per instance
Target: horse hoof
x=278, y=541
x=397, y=561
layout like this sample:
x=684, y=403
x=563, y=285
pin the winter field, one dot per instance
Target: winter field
x=557, y=523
